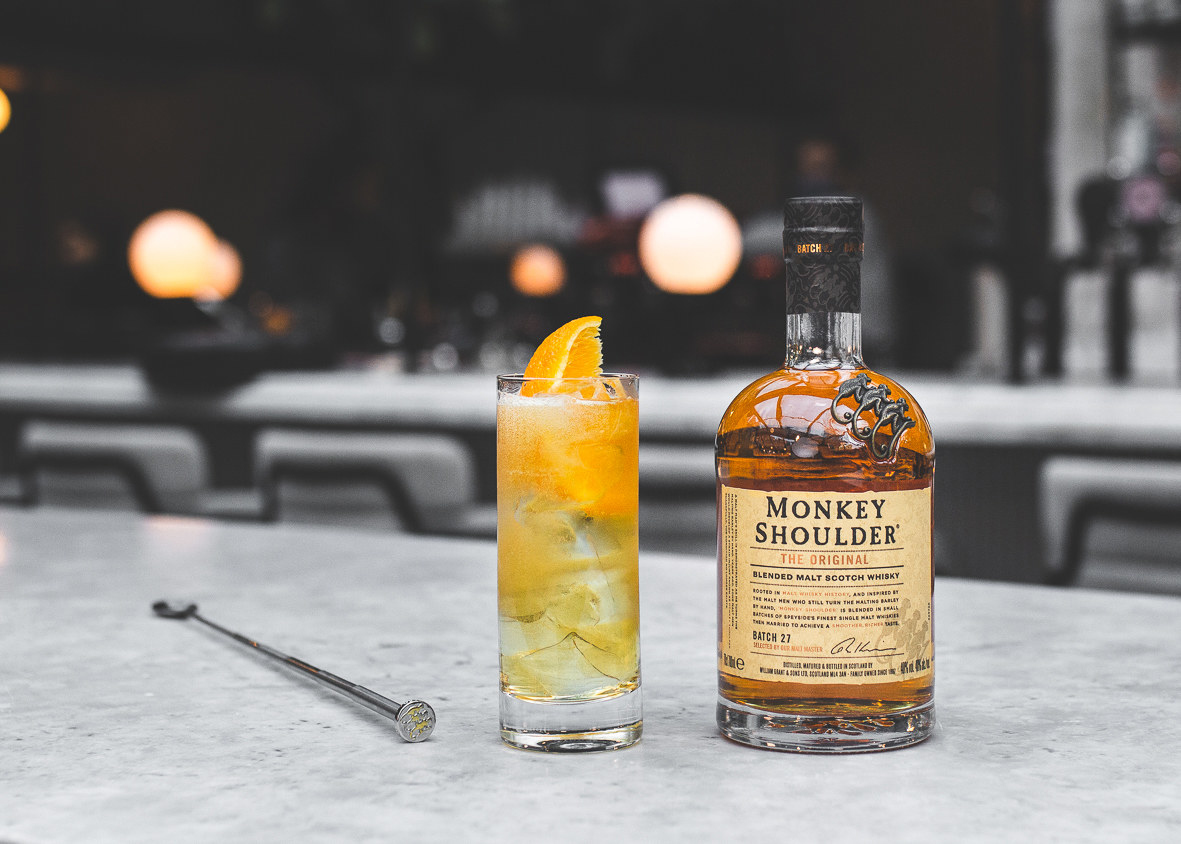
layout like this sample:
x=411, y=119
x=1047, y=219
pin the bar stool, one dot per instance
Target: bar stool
x=420, y=483
x=150, y=468
x=1075, y=493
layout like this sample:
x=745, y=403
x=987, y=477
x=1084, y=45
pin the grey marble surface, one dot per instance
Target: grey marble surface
x=1057, y=710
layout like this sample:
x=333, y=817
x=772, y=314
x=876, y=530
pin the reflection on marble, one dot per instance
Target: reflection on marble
x=1056, y=709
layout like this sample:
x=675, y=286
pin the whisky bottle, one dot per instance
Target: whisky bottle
x=824, y=472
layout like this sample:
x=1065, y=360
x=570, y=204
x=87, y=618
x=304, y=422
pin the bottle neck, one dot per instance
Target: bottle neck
x=824, y=340
x=822, y=246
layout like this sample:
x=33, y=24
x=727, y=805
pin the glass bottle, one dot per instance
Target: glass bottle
x=824, y=472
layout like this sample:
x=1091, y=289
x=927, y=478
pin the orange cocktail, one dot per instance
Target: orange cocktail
x=567, y=503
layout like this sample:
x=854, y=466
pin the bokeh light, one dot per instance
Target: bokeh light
x=173, y=254
x=5, y=110
x=537, y=270
x=225, y=274
x=690, y=244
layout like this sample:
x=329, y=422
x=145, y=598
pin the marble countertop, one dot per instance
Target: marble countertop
x=962, y=410
x=1057, y=710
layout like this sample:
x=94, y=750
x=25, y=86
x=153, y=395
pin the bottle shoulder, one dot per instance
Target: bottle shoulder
x=820, y=403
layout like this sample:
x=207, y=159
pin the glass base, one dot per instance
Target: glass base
x=824, y=733
x=572, y=726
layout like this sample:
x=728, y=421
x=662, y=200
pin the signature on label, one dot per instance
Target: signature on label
x=852, y=646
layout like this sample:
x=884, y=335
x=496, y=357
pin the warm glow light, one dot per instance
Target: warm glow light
x=173, y=254
x=225, y=274
x=537, y=271
x=5, y=110
x=690, y=244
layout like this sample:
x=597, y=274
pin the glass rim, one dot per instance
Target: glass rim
x=520, y=377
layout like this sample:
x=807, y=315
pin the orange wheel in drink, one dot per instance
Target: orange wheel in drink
x=573, y=351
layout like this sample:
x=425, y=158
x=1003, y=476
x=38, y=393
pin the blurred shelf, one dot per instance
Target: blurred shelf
x=1096, y=418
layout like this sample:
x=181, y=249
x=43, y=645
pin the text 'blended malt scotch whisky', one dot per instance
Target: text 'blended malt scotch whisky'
x=824, y=524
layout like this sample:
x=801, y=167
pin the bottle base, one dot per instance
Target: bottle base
x=572, y=727
x=824, y=733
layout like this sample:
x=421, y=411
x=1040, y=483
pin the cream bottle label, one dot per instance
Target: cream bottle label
x=825, y=587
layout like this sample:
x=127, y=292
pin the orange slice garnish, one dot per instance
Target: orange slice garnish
x=573, y=351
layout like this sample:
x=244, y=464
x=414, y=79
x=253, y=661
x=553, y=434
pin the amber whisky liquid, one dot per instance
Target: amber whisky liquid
x=778, y=435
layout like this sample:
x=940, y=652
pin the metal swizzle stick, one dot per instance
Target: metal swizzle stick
x=414, y=720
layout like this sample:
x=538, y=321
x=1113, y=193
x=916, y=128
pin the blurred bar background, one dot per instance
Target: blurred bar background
x=377, y=165
x=226, y=222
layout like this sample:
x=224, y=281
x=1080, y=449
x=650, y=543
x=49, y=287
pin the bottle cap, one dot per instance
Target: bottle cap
x=822, y=228
x=822, y=244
